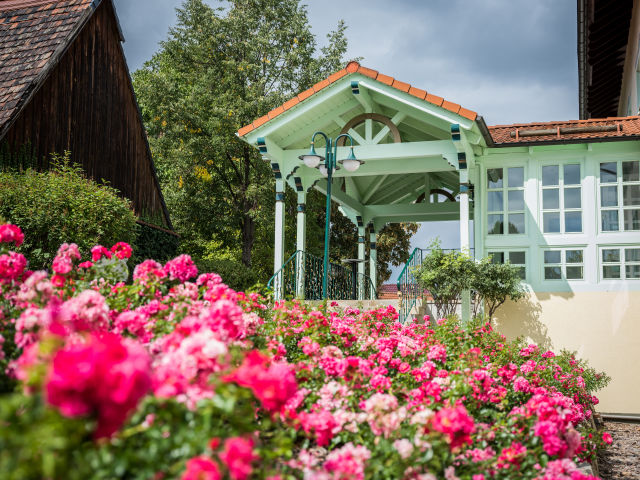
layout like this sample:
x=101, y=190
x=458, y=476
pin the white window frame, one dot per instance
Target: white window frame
x=505, y=189
x=563, y=263
x=619, y=184
x=622, y=262
x=561, y=210
x=506, y=251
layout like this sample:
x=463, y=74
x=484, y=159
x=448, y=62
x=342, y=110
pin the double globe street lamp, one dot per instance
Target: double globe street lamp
x=327, y=167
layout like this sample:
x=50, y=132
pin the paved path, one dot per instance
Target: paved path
x=621, y=461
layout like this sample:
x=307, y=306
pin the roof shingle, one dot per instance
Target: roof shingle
x=354, y=67
x=565, y=131
x=30, y=33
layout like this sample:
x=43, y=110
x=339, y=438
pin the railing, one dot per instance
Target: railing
x=408, y=286
x=407, y=283
x=301, y=277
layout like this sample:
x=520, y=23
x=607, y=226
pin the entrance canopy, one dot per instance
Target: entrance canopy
x=413, y=144
x=417, y=149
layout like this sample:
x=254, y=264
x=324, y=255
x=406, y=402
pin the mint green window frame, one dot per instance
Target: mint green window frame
x=563, y=264
x=619, y=262
x=516, y=257
x=561, y=198
x=506, y=200
x=619, y=195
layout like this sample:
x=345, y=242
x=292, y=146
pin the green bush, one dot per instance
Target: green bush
x=233, y=273
x=155, y=244
x=447, y=274
x=62, y=205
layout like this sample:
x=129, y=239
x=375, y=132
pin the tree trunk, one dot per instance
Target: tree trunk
x=248, y=238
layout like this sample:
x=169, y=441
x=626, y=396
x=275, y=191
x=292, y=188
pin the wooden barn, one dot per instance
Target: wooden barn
x=65, y=85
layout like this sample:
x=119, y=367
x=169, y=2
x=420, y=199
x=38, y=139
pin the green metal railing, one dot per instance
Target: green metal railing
x=301, y=277
x=408, y=286
x=408, y=283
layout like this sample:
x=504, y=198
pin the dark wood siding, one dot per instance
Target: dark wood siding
x=87, y=106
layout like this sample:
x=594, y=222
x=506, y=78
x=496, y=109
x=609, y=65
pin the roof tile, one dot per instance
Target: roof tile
x=338, y=75
x=275, y=112
x=436, y=100
x=402, y=86
x=320, y=85
x=260, y=121
x=386, y=79
x=246, y=129
x=452, y=107
x=291, y=103
x=416, y=92
x=352, y=67
x=512, y=134
x=306, y=94
x=368, y=72
x=30, y=32
x=467, y=114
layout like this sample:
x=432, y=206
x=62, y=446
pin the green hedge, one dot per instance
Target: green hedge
x=63, y=206
x=154, y=243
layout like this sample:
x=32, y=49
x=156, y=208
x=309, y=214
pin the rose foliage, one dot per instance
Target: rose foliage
x=175, y=375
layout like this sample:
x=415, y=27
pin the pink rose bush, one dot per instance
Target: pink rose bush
x=176, y=375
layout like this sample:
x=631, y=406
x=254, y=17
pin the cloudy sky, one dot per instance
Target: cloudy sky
x=509, y=60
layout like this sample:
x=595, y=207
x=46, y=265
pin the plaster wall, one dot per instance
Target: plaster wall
x=629, y=101
x=602, y=327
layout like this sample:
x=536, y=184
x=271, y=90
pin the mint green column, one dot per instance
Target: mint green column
x=373, y=261
x=301, y=243
x=278, y=245
x=465, y=238
x=361, y=265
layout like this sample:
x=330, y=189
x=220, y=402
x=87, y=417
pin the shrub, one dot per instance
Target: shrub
x=176, y=375
x=447, y=274
x=154, y=243
x=235, y=274
x=62, y=206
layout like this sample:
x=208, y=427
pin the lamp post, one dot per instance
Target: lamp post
x=313, y=160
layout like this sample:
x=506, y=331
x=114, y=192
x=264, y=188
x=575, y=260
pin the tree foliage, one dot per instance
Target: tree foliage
x=218, y=70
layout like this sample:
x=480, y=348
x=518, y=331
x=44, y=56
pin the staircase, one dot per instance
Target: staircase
x=411, y=295
x=301, y=277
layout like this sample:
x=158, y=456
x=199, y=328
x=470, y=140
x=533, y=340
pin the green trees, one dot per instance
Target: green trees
x=446, y=274
x=60, y=206
x=218, y=70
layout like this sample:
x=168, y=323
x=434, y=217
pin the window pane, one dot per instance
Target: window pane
x=609, y=196
x=516, y=177
x=517, y=258
x=497, y=257
x=608, y=172
x=631, y=195
x=550, y=175
x=573, y=256
x=611, y=255
x=609, y=220
x=611, y=271
x=551, y=222
x=495, y=201
x=515, y=200
x=552, y=256
x=494, y=177
x=573, y=222
x=632, y=255
x=516, y=223
x=632, y=219
x=632, y=271
x=550, y=198
x=572, y=197
x=495, y=224
x=574, y=273
x=522, y=273
x=572, y=174
x=631, y=171
x=552, y=273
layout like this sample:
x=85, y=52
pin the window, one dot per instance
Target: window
x=505, y=200
x=515, y=258
x=565, y=264
x=620, y=196
x=620, y=263
x=561, y=198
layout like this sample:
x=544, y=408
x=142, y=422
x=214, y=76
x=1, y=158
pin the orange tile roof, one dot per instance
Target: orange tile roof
x=355, y=67
x=523, y=133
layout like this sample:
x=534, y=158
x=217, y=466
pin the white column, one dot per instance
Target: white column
x=301, y=243
x=361, y=260
x=373, y=260
x=278, y=246
x=464, y=237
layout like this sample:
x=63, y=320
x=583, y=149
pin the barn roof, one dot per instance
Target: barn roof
x=33, y=36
